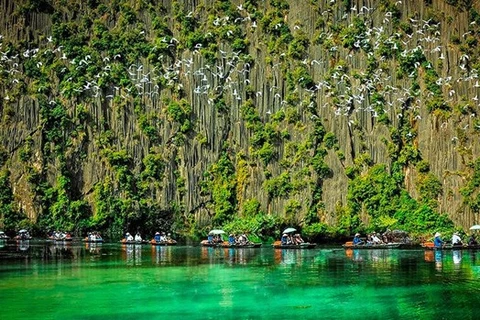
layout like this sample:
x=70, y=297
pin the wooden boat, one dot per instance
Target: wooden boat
x=170, y=242
x=65, y=239
x=226, y=244
x=237, y=245
x=430, y=245
x=206, y=243
x=124, y=241
x=93, y=240
x=305, y=245
x=391, y=245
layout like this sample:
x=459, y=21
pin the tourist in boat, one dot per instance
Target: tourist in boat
x=472, y=241
x=456, y=240
x=232, y=239
x=243, y=239
x=375, y=239
x=357, y=240
x=163, y=237
x=157, y=237
x=138, y=237
x=23, y=235
x=217, y=238
x=298, y=239
x=210, y=238
x=369, y=239
x=285, y=239
x=437, y=241
x=128, y=237
x=385, y=237
x=94, y=237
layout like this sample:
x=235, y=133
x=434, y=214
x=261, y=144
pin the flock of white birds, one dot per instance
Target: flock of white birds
x=232, y=72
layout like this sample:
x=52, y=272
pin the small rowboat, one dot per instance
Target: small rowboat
x=237, y=245
x=430, y=245
x=93, y=240
x=124, y=241
x=170, y=242
x=206, y=243
x=66, y=239
x=391, y=245
x=226, y=244
x=304, y=245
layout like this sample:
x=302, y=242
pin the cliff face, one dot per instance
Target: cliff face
x=186, y=112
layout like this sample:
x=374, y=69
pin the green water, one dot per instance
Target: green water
x=43, y=281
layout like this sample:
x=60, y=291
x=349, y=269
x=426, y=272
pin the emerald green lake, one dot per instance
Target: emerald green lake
x=40, y=280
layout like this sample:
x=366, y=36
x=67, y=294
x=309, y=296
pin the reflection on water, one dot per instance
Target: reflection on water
x=162, y=254
x=94, y=247
x=292, y=256
x=429, y=256
x=372, y=256
x=132, y=254
x=438, y=259
x=457, y=256
x=230, y=256
x=23, y=245
x=51, y=281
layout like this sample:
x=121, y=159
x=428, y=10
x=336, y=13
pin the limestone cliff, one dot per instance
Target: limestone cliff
x=185, y=112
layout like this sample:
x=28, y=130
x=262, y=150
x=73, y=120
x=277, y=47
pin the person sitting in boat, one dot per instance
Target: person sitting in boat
x=472, y=241
x=138, y=237
x=94, y=236
x=243, y=239
x=210, y=238
x=163, y=237
x=128, y=237
x=231, y=239
x=456, y=240
x=217, y=238
x=357, y=240
x=369, y=239
x=437, y=241
x=385, y=237
x=285, y=239
x=157, y=237
x=298, y=239
x=376, y=239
